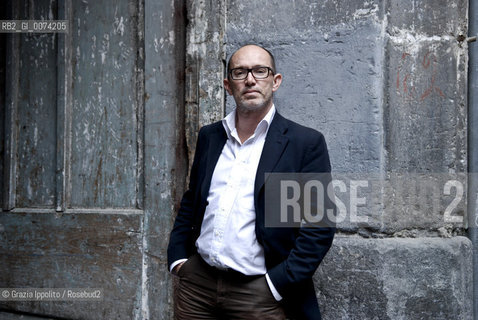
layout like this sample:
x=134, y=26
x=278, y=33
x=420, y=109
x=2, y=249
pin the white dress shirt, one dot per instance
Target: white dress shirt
x=228, y=237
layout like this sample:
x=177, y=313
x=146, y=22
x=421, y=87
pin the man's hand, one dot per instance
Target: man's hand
x=177, y=267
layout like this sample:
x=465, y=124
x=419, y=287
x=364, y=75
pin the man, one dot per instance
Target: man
x=230, y=265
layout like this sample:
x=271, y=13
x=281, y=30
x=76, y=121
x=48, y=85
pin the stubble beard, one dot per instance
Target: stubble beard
x=252, y=106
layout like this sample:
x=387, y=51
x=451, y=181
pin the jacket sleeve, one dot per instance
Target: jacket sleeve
x=183, y=230
x=312, y=241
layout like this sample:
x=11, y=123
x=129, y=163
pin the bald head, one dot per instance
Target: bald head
x=249, y=47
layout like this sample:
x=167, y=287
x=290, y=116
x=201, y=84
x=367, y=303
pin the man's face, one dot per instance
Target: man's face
x=252, y=94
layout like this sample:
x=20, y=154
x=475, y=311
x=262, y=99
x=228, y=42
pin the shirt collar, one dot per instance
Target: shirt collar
x=229, y=123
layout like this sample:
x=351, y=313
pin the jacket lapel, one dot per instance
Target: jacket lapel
x=217, y=139
x=274, y=146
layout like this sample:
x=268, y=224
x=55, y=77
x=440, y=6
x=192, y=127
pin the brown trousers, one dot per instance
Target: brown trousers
x=205, y=292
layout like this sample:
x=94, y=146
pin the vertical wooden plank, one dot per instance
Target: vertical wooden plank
x=61, y=94
x=68, y=9
x=165, y=159
x=63, y=107
x=36, y=103
x=140, y=100
x=104, y=142
x=11, y=94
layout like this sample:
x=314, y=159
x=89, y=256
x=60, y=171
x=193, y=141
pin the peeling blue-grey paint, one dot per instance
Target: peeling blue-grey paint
x=104, y=133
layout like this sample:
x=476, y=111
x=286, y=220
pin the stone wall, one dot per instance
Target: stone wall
x=385, y=82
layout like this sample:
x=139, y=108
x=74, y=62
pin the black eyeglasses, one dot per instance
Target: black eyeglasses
x=257, y=73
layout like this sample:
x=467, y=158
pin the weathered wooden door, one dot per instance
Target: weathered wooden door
x=93, y=154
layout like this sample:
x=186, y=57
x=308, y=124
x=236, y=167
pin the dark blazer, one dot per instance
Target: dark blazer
x=291, y=254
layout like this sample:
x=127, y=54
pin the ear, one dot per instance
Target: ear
x=227, y=86
x=277, y=82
